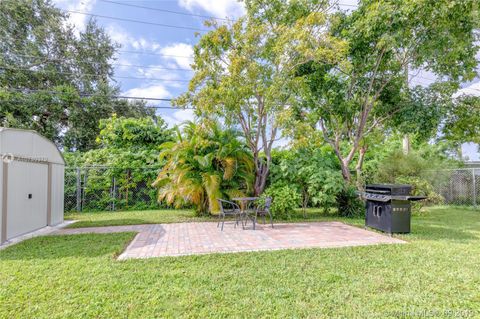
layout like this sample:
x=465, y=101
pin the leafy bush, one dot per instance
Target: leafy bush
x=385, y=159
x=285, y=199
x=398, y=164
x=120, y=172
x=314, y=172
x=206, y=163
x=349, y=203
x=422, y=187
x=417, y=169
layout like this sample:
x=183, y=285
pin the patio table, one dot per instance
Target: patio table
x=247, y=211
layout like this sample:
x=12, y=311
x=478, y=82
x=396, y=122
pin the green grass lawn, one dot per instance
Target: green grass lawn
x=162, y=216
x=436, y=275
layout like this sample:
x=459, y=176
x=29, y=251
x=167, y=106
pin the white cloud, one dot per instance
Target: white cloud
x=180, y=53
x=76, y=19
x=144, y=44
x=126, y=40
x=218, y=8
x=178, y=117
x=473, y=89
x=156, y=91
x=348, y=5
x=118, y=35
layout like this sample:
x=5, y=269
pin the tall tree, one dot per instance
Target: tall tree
x=244, y=71
x=53, y=80
x=384, y=38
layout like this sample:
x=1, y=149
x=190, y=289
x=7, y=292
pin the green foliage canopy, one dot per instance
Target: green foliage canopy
x=462, y=122
x=385, y=39
x=127, y=157
x=314, y=172
x=53, y=80
x=244, y=71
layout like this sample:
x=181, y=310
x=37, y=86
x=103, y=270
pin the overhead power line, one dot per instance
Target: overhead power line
x=423, y=83
x=82, y=94
x=143, y=53
x=154, y=53
x=164, y=10
x=348, y=5
x=114, y=63
x=96, y=75
x=85, y=94
x=152, y=67
x=137, y=21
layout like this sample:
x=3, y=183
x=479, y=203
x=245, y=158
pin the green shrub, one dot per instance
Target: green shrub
x=421, y=187
x=349, y=203
x=285, y=199
x=313, y=171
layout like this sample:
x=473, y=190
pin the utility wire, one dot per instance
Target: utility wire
x=348, y=5
x=146, y=53
x=191, y=14
x=136, y=21
x=154, y=53
x=32, y=91
x=114, y=63
x=152, y=67
x=83, y=94
x=418, y=82
x=96, y=75
x=163, y=10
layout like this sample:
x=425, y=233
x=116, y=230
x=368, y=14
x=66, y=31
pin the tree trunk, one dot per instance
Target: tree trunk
x=260, y=178
x=460, y=152
x=406, y=144
x=359, y=166
x=304, y=201
x=345, y=171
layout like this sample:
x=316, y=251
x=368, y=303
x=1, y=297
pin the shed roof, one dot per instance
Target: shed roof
x=29, y=144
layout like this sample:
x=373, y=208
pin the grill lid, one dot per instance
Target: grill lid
x=390, y=189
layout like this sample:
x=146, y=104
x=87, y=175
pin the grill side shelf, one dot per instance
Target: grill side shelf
x=412, y=198
x=377, y=191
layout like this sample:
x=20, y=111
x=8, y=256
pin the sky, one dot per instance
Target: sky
x=163, y=68
x=167, y=51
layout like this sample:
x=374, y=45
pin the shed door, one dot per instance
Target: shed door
x=27, y=197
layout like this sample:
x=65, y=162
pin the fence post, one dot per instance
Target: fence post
x=113, y=193
x=474, y=188
x=79, y=190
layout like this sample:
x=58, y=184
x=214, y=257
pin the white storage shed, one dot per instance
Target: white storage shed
x=31, y=183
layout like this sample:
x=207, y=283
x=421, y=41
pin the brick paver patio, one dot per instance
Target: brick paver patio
x=178, y=239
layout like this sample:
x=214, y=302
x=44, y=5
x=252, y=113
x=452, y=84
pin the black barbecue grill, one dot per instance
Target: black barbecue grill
x=388, y=207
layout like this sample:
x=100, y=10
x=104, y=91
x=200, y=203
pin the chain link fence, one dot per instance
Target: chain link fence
x=98, y=188
x=458, y=186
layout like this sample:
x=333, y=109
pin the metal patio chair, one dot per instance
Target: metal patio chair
x=261, y=210
x=228, y=208
x=264, y=210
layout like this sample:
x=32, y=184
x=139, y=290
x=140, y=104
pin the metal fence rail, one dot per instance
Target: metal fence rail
x=458, y=186
x=98, y=188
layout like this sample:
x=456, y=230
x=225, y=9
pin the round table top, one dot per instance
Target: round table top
x=245, y=198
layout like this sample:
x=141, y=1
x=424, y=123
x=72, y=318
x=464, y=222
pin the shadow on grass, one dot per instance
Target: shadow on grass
x=68, y=246
x=437, y=232
x=433, y=232
x=110, y=222
x=446, y=223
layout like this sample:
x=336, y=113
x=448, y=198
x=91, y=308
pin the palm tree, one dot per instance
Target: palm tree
x=205, y=163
